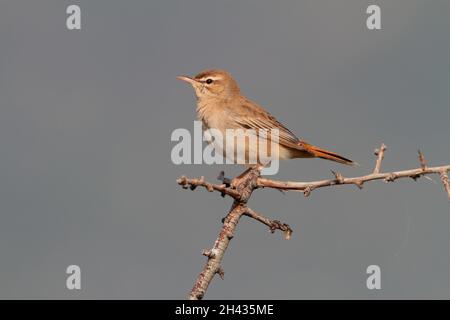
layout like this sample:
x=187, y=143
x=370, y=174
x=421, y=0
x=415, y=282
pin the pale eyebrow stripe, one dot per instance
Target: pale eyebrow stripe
x=204, y=78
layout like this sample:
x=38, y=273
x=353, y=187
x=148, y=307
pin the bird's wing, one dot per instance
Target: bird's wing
x=251, y=116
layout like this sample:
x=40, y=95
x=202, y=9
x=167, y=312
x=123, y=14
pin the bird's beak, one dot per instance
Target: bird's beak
x=187, y=79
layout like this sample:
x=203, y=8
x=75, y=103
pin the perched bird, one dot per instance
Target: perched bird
x=222, y=106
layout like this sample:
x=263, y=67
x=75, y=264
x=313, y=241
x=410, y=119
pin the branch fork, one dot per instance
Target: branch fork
x=251, y=180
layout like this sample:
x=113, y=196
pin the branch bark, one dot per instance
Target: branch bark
x=308, y=187
x=241, y=195
x=251, y=180
x=215, y=255
x=272, y=224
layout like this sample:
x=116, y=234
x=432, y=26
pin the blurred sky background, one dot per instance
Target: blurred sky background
x=85, y=170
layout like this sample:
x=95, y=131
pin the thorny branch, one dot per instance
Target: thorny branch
x=252, y=180
x=272, y=224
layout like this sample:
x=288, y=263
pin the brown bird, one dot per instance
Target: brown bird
x=220, y=105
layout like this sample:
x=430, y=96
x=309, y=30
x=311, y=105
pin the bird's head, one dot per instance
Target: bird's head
x=212, y=84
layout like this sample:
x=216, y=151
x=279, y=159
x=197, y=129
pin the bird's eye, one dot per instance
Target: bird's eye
x=209, y=81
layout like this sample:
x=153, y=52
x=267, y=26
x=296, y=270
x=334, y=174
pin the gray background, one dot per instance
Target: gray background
x=85, y=124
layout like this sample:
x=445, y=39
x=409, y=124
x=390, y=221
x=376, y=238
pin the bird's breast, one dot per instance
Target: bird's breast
x=246, y=149
x=214, y=116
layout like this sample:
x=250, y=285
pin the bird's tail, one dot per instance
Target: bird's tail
x=329, y=155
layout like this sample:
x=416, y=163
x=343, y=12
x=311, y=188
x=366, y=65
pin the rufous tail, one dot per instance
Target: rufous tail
x=329, y=155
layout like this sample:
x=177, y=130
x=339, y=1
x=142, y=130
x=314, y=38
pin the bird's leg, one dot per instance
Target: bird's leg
x=226, y=181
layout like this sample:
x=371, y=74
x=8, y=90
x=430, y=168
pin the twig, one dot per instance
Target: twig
x=272, y=224
x=307, y=187
x=380, y=156
x=444, y=179
x=194, y=183
x=358, y=181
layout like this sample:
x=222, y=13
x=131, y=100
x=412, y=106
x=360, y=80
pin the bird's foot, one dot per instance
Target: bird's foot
x=231, y=183
x=226, y=181
x=234, y=183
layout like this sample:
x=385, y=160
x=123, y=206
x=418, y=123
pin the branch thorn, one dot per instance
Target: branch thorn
x=221, y=273
x=359, y=184
x=339, y=177
x=391, y=177
x=307, y=191
x=380, y=156
x=423, y=163
x=208, y=253
x=445, y=182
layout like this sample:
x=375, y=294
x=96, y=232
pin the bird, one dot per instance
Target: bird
x=222, y=106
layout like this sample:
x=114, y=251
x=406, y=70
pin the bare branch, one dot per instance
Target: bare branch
x=251, y=180
x=308, y=187
x=194, y=183
x=380, y=156
x=215, y=255
x=444, y=179
x=388, y=177
x=272, y=224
